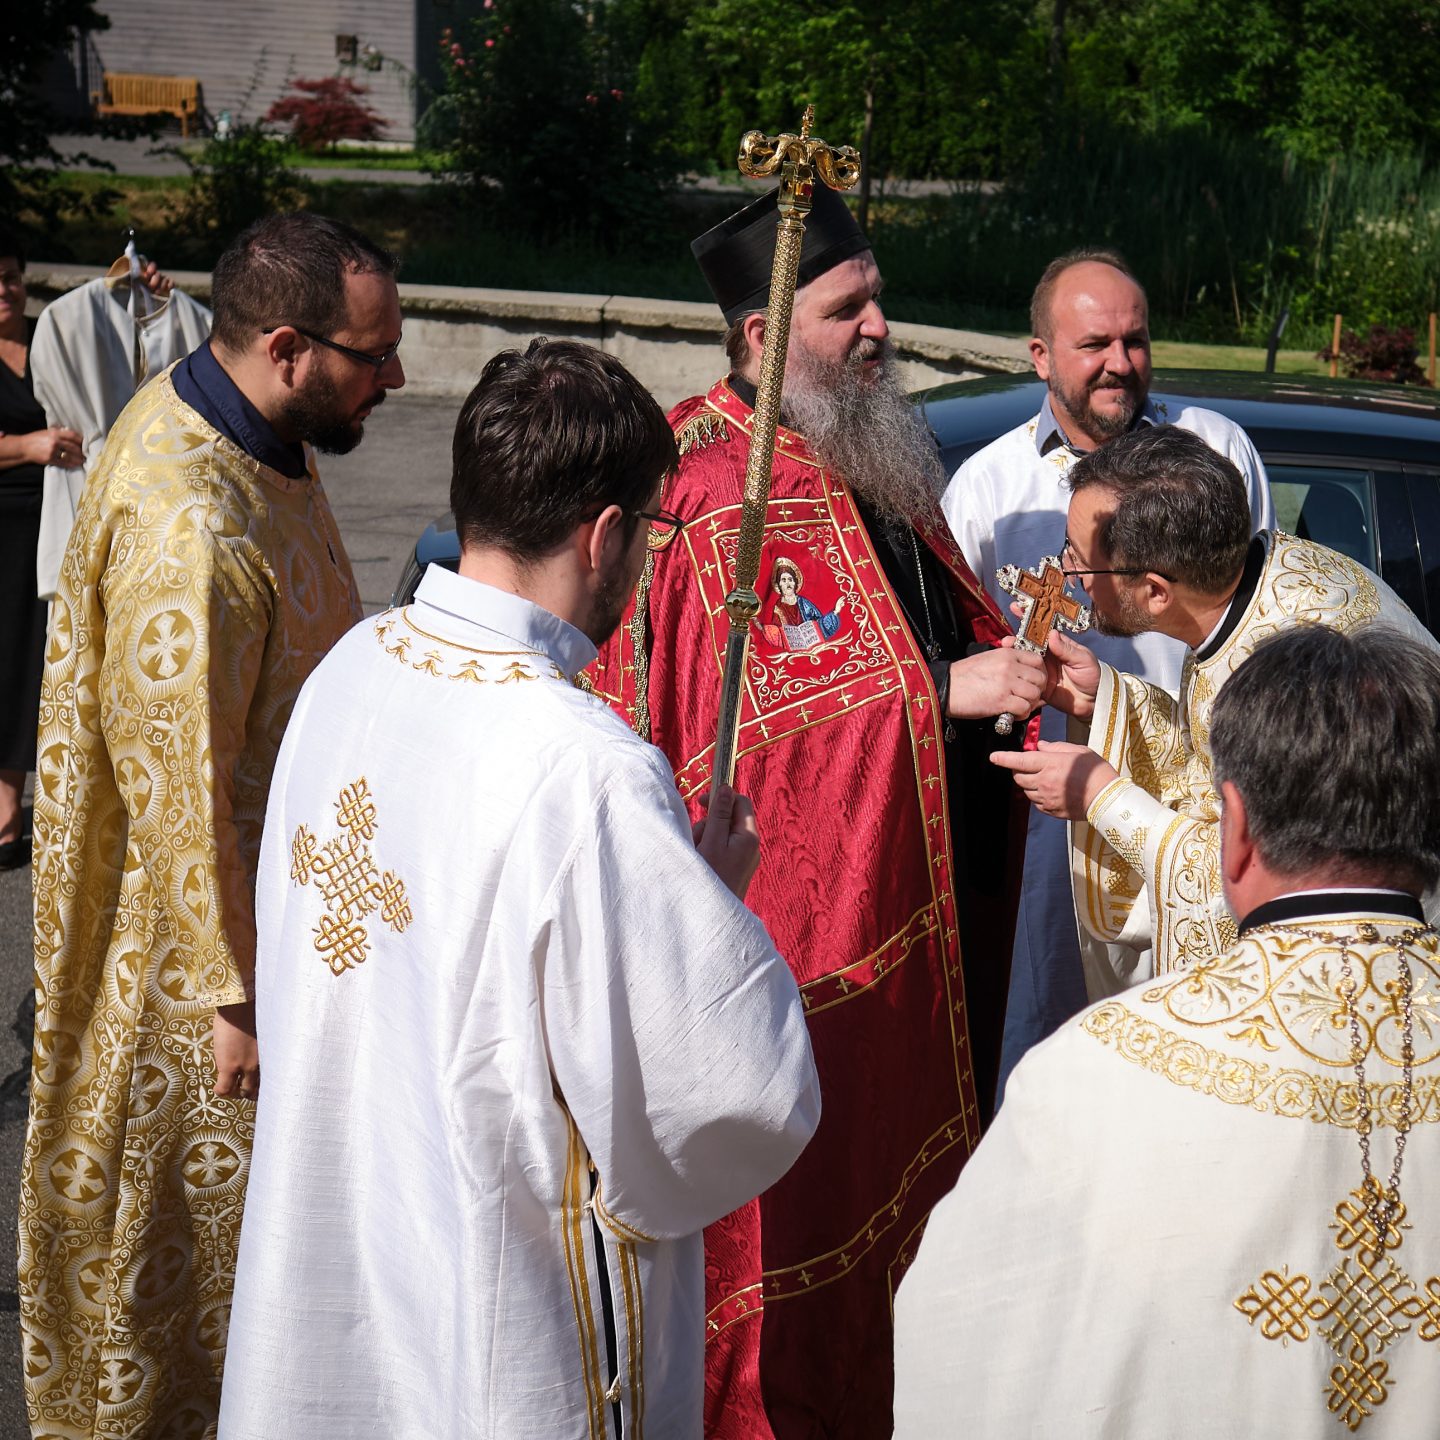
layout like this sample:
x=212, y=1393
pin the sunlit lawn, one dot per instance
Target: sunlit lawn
x=1178, y=355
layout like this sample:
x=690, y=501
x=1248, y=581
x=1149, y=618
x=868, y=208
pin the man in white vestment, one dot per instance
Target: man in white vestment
x=1159, y=533
x=1007, y=504
x=522, y=1040
x=1193, y=1216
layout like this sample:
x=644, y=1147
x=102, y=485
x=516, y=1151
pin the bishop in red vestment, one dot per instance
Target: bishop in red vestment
x=892, y=846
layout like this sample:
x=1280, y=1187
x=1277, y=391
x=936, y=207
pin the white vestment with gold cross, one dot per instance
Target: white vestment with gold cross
x=519, y=1045
x=1146, y=861
x=1161, y=1235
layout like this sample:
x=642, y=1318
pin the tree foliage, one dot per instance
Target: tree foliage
x=980, y=90
x=923, y=85
x=1317, y=77
x=548, y=137
x=32, y=34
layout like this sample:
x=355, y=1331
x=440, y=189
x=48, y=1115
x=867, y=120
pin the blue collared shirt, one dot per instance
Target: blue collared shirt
x=201, y=382
x=1049, y=434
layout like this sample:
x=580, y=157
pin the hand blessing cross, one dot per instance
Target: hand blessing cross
x=1044, y=607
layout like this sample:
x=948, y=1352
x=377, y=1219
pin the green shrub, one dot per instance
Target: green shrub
x=233, y=182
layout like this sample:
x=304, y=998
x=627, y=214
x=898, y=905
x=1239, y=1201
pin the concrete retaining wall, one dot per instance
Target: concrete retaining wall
x=673, y=347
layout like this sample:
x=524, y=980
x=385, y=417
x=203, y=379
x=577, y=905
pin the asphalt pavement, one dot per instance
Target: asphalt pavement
x=383, y=495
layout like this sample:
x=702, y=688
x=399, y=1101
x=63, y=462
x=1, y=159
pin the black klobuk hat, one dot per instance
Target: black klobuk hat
x=737, y=256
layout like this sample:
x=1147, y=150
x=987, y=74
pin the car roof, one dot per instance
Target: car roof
x=1282, y=414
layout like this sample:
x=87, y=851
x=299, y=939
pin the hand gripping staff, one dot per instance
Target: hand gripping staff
x=798, y=159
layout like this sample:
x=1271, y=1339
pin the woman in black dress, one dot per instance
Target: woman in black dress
x=27, y=445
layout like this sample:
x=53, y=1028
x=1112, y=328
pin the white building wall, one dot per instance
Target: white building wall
x=243, y=54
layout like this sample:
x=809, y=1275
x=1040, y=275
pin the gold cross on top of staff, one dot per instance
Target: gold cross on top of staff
x=796, y=156
x=1044, y=604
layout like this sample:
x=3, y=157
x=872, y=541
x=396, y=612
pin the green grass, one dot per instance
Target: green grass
x=365, y=159
x=1182, y=355
x=91, y=182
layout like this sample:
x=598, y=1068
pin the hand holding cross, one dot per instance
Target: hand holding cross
x=1044, y=608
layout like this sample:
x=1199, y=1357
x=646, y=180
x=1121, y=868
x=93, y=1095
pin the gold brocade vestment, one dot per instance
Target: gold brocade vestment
x=1146, y=863
x=198, y=591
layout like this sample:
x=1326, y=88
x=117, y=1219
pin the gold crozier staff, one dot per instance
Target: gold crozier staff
x=799, y=159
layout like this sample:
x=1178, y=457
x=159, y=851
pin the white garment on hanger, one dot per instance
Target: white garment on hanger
x=93, y=349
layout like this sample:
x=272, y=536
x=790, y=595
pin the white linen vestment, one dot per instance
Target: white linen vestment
x=519, y=1045
x=94, y=348
x=1007, y=506
x=1159, y=1238
x=1146, y=861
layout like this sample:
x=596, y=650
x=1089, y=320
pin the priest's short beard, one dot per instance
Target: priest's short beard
x=317, y=414
x=608, y=605
x=1125, y=619
x=862, y=427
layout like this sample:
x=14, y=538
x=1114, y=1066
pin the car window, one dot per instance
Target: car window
x=1424, y=489
x=1327, y=504
x=1399, y=546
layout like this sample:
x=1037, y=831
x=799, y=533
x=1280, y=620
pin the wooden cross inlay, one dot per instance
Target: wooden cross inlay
x=1044, y=604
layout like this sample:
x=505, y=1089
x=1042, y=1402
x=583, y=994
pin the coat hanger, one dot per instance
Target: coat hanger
x=123, y=270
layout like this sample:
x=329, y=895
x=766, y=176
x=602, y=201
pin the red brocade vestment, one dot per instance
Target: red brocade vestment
x=841, y=750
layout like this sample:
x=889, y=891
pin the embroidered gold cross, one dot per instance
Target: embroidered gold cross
x=1358, y=1309
x=349, y=880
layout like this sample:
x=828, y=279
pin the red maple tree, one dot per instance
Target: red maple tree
x=326, y=111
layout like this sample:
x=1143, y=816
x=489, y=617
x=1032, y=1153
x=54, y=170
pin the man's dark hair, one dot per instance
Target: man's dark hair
x=1333, y=741
x=1040, y=321
x=11, y=244
x=1181, y=508
x=548, y=437
x=289, y=270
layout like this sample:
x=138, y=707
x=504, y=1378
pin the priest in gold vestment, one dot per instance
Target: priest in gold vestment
x=203, y=581
x=1211, y=1206
x=1158, y=532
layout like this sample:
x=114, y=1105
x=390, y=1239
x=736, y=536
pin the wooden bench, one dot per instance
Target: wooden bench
x=177, y=95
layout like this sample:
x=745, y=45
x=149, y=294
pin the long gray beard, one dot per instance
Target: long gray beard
x=865, y=430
